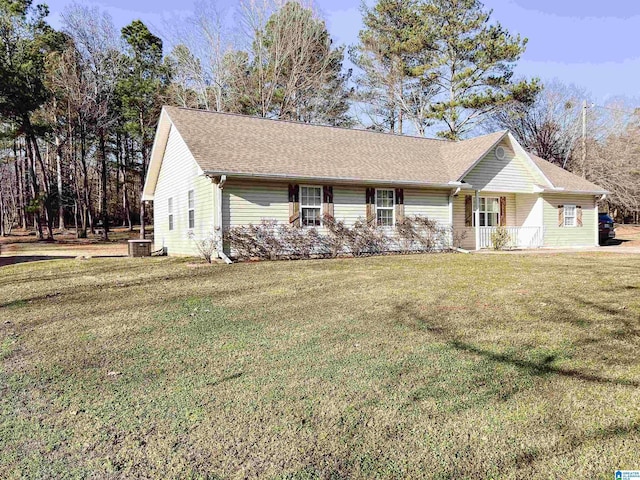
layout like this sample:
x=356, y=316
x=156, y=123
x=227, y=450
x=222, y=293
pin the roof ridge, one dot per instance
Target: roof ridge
x=295, y=122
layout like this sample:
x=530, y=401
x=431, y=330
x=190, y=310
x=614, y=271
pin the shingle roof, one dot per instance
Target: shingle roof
x=462, y=155
x=564, y=179
x=244, y=145
x=250, y=145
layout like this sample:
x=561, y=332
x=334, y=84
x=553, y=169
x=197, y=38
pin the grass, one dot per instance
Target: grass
x=434, y=366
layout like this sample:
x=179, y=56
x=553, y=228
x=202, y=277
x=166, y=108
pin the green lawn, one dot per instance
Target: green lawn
x=433, y=366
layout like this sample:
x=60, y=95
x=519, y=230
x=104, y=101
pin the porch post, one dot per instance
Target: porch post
x=476, y=215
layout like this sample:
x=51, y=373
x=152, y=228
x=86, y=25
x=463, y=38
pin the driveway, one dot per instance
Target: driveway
x=38, y=251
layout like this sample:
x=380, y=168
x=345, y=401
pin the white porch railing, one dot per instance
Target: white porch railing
x=519, y=237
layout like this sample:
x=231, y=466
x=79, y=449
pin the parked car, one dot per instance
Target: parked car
x=605, y=227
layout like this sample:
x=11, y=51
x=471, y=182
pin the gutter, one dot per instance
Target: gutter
x=219, y=228
x=576, y=192
x=348, y=180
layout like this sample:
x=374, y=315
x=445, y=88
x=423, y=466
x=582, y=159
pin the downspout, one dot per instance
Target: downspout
x=453, y=194
x=597, y=214
x=219, y=227
x=476, y=215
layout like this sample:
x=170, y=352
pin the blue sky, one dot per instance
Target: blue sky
x=590, y=43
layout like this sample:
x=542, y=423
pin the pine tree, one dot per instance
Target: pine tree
x=141, y=91
x=471, y=64
x=391, y=45
x=25, y=41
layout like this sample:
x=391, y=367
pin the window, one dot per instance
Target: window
x=384, y=207
x=192, y=212
x=170, y=212
x=489, y=212
x=569, y=215
x=310, y=206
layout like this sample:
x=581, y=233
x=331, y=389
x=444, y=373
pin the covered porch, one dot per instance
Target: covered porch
x=481, y=216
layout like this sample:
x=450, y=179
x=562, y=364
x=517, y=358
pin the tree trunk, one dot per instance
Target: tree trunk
x=59, y=182
x=35, y=191
x=103, y=193
x=48, y=210
x=143, y=173
x=125, y=192
x=20, y=174
x=2, y=233
x=86, y=198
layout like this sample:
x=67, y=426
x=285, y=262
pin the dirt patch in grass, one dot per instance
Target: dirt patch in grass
x=434, y=366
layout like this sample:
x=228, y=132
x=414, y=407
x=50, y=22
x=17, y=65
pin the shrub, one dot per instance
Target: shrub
x=206, y=247
x=416, y=233
x=269, y=240
x=457, y=237
x=500, y=238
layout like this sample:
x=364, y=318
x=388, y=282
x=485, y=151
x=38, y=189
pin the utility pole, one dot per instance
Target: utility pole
x=584, y=138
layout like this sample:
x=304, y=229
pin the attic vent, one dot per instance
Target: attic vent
x=500, y=153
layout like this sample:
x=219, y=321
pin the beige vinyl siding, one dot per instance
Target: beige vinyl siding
x=179, y=173
x=459, y=228
x=433, y=204
x=509, y=175
x=556, y=236
x=245, y=202
x=349, y=204
x=249, y=202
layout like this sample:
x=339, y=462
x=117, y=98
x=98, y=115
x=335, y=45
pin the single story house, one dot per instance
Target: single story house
x=211, y=171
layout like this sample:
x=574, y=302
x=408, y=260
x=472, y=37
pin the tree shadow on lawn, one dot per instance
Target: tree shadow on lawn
x=541, y=368
x=94, y=269
x=408, y=314
x=75, y=290
x=629, y=320
x=14, y=260
x=570, y=443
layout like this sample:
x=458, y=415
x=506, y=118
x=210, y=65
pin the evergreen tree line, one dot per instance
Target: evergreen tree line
x=79, y=106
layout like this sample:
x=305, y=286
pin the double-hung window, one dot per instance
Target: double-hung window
x=569, y=215
x=310, y=206
x=384, y=207
x=170, y=212
x=191, y=207
x=489, y=211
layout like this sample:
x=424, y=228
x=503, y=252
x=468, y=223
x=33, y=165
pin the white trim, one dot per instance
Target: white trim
x=485, y=212
x=218, y=195
x=476, y=217
x=516, y=147
x=484, y=154
x=191, y=195
x=338, y=180
x=526, y=155
x=300, y=187
x=160, y=141
x=575, y=192
x=393, y=207
x=596, y=211
x=574, y=216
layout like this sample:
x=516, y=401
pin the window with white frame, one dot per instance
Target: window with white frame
x=569, y=215
x=191, y=207
x=170, y=212
x=489, y=212
x=384, y=207
x=310, y=206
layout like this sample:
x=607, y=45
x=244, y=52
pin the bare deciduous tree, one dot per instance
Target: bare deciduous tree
x=550, y=127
